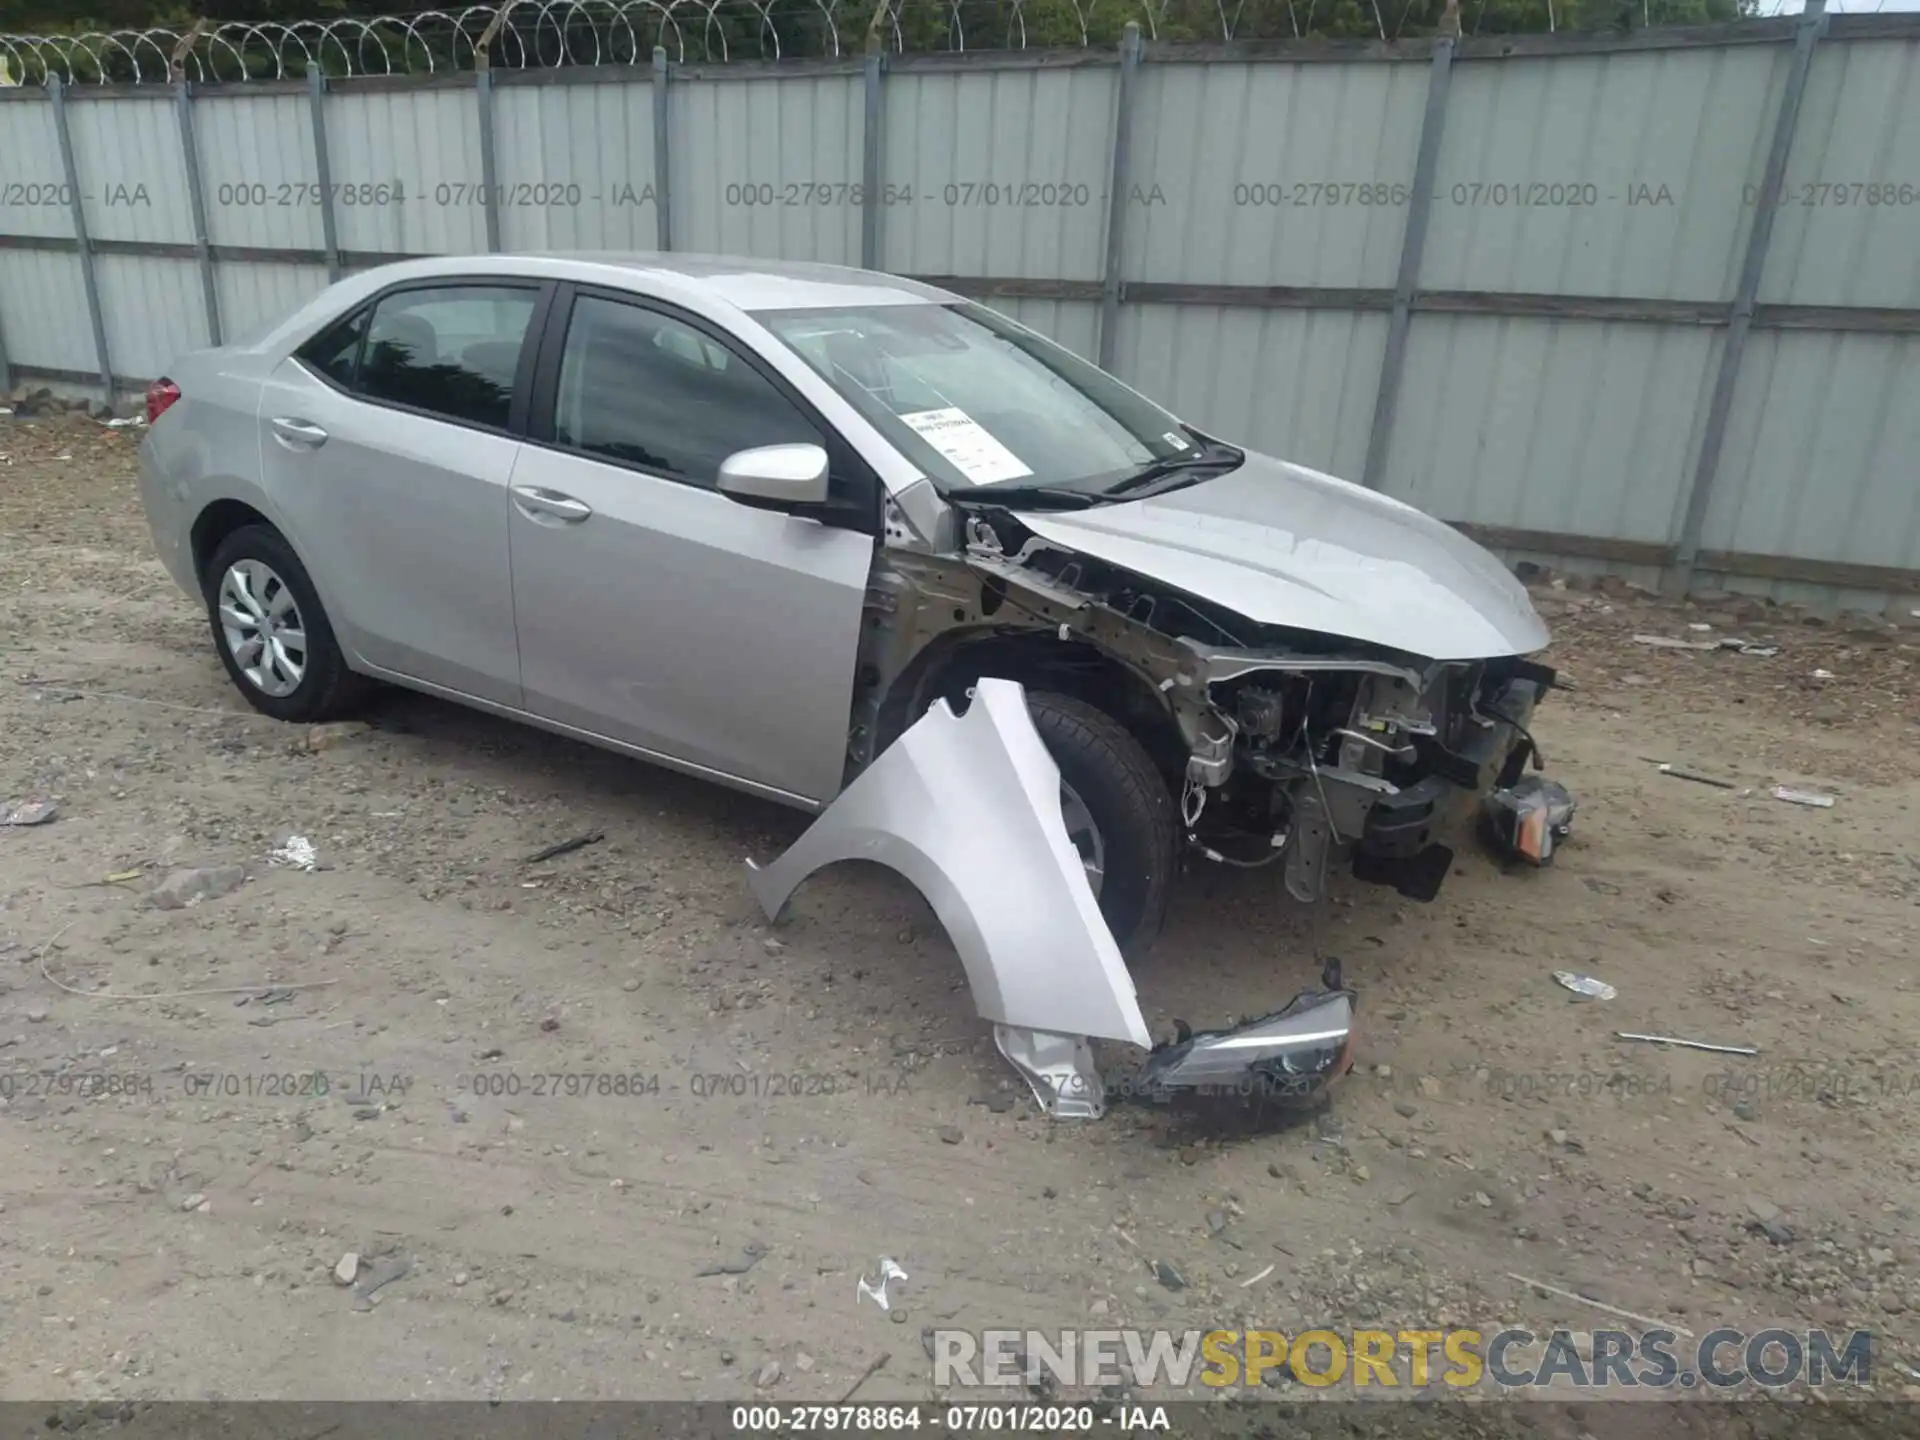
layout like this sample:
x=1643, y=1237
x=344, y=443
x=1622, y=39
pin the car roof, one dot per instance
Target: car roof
x=743, y=283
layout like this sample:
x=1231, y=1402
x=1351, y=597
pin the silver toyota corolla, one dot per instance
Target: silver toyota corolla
x=755, y=520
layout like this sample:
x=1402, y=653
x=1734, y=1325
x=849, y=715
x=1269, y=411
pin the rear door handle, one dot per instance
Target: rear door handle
x=298, y=432
x=536, y=502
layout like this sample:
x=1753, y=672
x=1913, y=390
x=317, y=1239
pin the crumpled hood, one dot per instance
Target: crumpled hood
x=1285, y=545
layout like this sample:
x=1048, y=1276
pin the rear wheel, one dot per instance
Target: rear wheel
x=271, y=632
x=1118, y=813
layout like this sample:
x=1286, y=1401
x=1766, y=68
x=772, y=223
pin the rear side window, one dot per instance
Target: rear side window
x=451, y=352
x=639, y=386
x=335, y=352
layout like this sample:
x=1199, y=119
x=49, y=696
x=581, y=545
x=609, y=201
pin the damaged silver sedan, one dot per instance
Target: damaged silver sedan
x=877, y=552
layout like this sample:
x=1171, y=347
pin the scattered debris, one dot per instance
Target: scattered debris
x=1823, y=675
x=1588, y=985
x=1679, y=773
x=749, y=1257
x=27, y=812
x=336, y=732
x=889, y=1272
x=1529, y=818
x=865, y=1375
x=1815, y=798
x=1601, y=1305
x=184, y=888
x=347, y=1269
x=1687, y=1044
x=377, y=1278
x=295, y=852
x=566, y=847
x=1665, y=643
x=1255, y=1279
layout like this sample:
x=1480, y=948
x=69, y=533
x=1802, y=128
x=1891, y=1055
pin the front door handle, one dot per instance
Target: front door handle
x=534, y=501
x=298, y=432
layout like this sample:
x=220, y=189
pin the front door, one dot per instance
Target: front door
x=651, y=608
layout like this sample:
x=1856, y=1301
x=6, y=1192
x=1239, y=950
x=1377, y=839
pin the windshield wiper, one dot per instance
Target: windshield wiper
x=1051, y=497
x=1190, y=469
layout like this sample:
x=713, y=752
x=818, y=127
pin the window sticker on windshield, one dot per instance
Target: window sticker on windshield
x=1175, y=439
x=966, y=445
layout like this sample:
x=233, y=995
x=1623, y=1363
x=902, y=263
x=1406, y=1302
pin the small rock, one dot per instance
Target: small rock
x=1702, y=1269
x=1483, y=1200
x=182, y=888
x=1744, y=1111
x=1385, y=1072
x=1216, y=1221
x=803, y=1361
x=1558, y=1137
x=950, y=1135
x=1099, y=1307
x=1775, y=1232
x=549, y=1024
x=1404, y=1109
x=569, y=1316
x=338, y=732
x=1362, y=1174
x=460, y=1277
x=769, y=1375
x=1762, y=1210
x=1429, y=1087
x=1168, y=1276
x=347, y=1270
x=36, y=1014
x=773, y=946
x=1879, y=1257
x=193, y=1201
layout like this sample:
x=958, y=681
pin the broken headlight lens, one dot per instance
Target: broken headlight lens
x=1294, y=1051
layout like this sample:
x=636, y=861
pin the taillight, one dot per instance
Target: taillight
x=160, y=394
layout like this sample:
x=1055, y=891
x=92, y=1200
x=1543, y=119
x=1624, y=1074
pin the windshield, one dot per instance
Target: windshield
x=974, y=400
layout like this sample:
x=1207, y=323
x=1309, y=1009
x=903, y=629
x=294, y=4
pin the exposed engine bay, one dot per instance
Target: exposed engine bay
x=1284, y=747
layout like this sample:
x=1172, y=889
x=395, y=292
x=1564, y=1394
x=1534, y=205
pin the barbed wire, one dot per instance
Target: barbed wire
x=542, y=34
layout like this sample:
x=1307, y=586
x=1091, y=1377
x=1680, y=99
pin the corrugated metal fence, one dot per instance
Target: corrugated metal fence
x=1650, y=300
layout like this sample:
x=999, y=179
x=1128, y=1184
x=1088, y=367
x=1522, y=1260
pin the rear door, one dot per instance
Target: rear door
x=653, y=609
x=389, y=441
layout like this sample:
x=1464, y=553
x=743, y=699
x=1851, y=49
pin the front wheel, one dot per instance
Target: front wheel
x=1118, y=812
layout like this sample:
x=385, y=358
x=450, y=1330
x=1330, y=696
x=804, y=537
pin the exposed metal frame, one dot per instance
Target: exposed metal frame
x=197, y=204
x=323, y=170
x=1119, y=177
x=57, y=93
x=1713, y=434
x=1413, y=244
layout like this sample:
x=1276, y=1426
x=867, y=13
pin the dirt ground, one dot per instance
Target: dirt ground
x=798, y=1103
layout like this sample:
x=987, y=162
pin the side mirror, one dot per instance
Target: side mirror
x=788, y=474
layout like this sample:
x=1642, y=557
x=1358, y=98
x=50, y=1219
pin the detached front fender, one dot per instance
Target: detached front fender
x=967, y=807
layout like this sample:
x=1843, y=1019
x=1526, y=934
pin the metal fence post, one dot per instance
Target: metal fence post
x=57, y=91
x=1413, y=243
x=1119, y=177
x=329, y=226
x=874, y=67
x=662, y=210
x=197, y=201
x=1813, y=20
x=483, y=94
